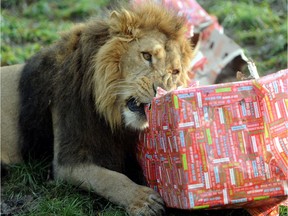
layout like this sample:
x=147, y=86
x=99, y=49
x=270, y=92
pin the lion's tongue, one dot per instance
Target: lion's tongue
x=132, y=105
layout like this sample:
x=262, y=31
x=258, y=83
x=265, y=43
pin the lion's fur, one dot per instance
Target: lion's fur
x=74, y=98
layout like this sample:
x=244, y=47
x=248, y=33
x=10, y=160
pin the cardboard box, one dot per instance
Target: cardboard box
x=219, y=145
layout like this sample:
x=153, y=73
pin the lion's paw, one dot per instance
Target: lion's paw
x=146, y=202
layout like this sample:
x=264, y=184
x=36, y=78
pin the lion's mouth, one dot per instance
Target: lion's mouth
x=135, y=106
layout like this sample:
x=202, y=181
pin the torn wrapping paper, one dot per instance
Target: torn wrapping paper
x=220, y=145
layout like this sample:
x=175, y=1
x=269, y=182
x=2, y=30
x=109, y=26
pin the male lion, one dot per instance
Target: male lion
x=83, y=99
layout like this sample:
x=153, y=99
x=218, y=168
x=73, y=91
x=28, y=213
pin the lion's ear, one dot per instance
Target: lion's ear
x=124, y=24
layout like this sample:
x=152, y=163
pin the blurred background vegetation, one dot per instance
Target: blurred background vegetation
x=28, y=25
x=259, y=26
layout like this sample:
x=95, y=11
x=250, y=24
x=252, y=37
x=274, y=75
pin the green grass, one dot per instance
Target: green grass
x=29, y=190
x=27, y=26
x=259, y=26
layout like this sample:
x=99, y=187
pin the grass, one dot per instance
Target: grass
x=29, y=190
x=260, y=27
x=28, y=25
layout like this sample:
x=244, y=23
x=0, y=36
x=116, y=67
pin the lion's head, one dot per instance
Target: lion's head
x=145, y=48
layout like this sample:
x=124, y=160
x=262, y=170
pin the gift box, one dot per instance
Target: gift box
x=219, y=145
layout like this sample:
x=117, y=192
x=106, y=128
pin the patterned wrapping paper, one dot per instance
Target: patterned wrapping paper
x=219, y=145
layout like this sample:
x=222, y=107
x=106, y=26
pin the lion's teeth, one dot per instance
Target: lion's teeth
x=138, y=103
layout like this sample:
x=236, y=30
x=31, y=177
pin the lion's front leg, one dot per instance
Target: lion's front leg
x=114, y=186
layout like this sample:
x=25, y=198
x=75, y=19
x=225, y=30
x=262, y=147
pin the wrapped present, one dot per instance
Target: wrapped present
x=219, y=145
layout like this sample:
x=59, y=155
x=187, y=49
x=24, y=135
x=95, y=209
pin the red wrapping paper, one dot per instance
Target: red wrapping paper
x=221, y=145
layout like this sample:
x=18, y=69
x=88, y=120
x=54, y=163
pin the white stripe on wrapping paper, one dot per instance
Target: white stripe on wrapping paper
x=194, y=186
x=285, y=108
x=281, y=86
x=186, y=124
x=232, y=176
x=256, y=109
x=275, y=87
x=267, y=171
x=221, y=115
x=277, y=110
x=285, y=186
x=216, y=174
x=254, y=144
x=165, y=127
x=268, y=147
x=244, y=142
x=206, y=114
x=207, y=181
x=196, y=119
x=221, y=160
x=225, y=196
x=191, y=199
x=163, y=144
x=278, y=145
x=175, y=143
x=199, y=99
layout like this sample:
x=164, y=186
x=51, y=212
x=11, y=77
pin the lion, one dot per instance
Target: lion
x=82, y=99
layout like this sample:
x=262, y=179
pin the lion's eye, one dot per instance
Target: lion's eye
x=147, y=56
